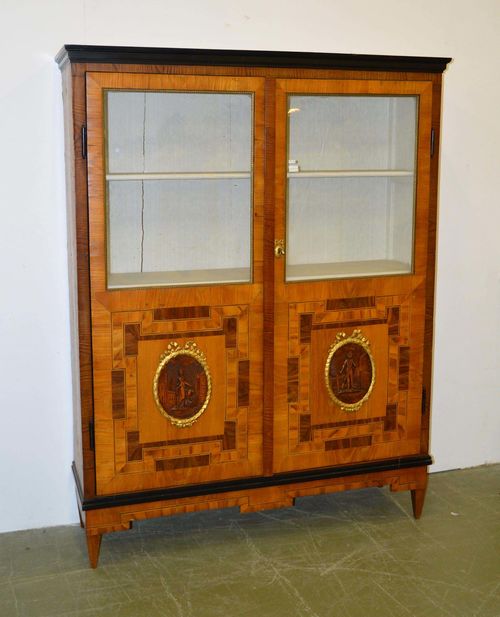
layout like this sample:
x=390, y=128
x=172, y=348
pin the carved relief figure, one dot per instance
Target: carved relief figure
x=182, y=386
x=184, y=391
x=349, y=371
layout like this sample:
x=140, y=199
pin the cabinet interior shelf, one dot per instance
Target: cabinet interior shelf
x=179, y=277
x=343, y=269
x=180, y=176
x=351, y=173
x=295, y=272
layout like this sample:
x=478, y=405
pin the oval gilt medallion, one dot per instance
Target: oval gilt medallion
x=182, y=384
x=350, y=371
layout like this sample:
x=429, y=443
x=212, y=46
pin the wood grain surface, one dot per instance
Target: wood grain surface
x=266, y=342
x=132, y=328
x=388, y=310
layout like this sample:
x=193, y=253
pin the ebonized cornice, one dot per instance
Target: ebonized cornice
x=225, y=57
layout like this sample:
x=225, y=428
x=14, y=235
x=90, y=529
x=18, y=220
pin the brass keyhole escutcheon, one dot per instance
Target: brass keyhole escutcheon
x=279, y=248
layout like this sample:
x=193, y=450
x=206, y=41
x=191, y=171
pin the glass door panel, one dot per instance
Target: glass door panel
x=351, y=183
x=179, y=188
x=352, y=198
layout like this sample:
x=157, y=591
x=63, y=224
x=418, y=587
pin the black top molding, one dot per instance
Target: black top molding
x=226, y=57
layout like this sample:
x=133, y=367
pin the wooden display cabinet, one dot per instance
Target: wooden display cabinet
x=254, y=240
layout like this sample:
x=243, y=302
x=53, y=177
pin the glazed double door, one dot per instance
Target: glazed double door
x=258, y=269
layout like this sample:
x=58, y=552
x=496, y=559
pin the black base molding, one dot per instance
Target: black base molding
x=229, y=57
x=226, y=486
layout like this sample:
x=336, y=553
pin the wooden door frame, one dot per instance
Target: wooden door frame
x=336, y=290
x=123, y=310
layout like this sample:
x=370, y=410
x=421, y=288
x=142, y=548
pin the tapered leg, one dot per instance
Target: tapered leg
x=417, y=501
x=418, y=497
x=93, y=548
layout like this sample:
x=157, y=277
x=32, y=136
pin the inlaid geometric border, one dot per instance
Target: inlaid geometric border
x=349, y=313
x=230, y=322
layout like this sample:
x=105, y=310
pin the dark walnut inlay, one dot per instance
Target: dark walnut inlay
x=350, y=372
x=182, y=384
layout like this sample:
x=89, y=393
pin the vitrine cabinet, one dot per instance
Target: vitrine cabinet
x=253, y=275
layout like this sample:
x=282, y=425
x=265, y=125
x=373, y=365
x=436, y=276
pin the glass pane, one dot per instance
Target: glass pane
x=179, y=188
x=351, y=186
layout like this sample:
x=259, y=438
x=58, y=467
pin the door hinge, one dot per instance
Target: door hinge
x=84, y=142
x=433, y=138
x=424, y=401
x=91, y=435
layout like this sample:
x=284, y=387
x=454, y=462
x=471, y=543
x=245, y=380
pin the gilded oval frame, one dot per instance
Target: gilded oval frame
x=342, y=339
x=173, y=350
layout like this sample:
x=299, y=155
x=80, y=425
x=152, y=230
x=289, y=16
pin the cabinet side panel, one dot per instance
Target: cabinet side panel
x=72, y=265
x=75, y=118
x=431, y=264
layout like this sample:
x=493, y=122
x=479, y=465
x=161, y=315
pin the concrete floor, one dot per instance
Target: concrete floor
x=345, y=555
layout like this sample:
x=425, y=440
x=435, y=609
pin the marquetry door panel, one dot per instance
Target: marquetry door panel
x=318, y=431
x=349, y=335
x=137, y=322
x=135, y=444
